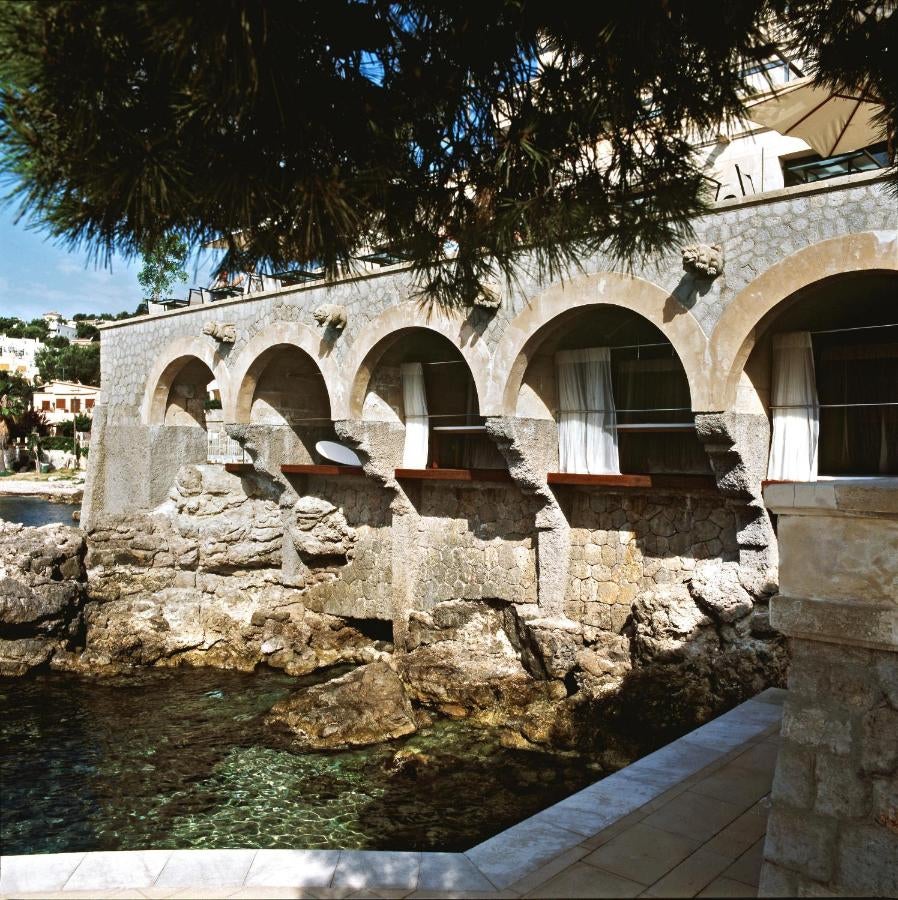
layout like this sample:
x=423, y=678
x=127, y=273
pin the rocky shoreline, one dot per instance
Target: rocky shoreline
x=200, y=582
x=65, y=491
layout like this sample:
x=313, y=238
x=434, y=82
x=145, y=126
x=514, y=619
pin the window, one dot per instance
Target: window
x=76, y=405
x=89, y=403
x=626, y=409
x=60, y=403
x=46, y=405
x=813, y=167
x=835, y=403
x=857, y=388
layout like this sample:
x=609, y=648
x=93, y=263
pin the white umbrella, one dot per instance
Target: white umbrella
x=831, y=122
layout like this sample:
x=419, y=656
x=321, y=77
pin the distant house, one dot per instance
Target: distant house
x=17, y=356
x=57, y=326
x=60, y=400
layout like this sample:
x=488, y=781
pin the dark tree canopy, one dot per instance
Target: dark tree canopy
x=306, y=131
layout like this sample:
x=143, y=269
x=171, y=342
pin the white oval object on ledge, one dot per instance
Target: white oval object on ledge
x=337, y=453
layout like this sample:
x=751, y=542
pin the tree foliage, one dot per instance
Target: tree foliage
x=163, y=265
x=15, y=394
x=306, y=131
x=69, y=363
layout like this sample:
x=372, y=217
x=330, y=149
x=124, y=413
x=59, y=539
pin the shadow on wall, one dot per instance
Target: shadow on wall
x=663, y=573
x=474, y=542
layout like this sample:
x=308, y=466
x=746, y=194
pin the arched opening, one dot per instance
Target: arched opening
x=284, y=392
x=192, y=396
x=285, y=387
x=617, y=391
x=824, y=368
x=419, y=378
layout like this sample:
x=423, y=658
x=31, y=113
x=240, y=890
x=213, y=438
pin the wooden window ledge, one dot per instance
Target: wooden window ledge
x=322, y=470
x=454, y=474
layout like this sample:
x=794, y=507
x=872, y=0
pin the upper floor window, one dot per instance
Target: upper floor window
x=811, y=167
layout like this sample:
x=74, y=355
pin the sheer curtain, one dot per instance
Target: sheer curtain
x=414, y=398
x=587, y=422
x=796, y=413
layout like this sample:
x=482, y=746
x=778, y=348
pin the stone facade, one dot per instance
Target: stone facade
x=652, y=599
x=834, y=823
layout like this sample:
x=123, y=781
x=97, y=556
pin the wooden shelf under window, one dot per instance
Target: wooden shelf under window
x=454, y=474
x=238, y=468
x=321, y=470
x=668, y=482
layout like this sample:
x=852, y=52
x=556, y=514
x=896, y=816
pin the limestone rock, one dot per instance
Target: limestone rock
x=41, y=593
x=716, y=588
x=668, y=624
x=467, y=658
x=367, y=706
x=318, y=528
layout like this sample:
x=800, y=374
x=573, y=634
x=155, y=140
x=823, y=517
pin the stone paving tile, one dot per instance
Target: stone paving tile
x=377, y=869
x=691, y=875
x=118, y=870
x=220, y=867
x=380, y=895
x=543, y=874
x=520, y=850
x=694, y=816
x=726, y=887
x=270, y=893
x=761, y=757
x=450, y=872
x=747, y=868
x=19, y=874
x=741, y=833
x=603, y=837
x=298, y=868
x=642, y=853
x=582, y=880
x=464, y=895
x=735, y=785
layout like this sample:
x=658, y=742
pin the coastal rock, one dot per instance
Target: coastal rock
x=41, y=593
x=668, y=624
x=716, y=588
x=367, y=706
x=466, y=658
x=255, y=622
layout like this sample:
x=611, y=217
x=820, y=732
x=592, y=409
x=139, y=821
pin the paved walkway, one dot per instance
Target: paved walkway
x=686, y=821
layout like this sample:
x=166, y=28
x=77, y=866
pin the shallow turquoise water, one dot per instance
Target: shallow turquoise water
x=180, y=759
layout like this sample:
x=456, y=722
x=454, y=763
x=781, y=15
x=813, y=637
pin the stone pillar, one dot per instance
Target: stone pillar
x=833, y=827
x=530, y=447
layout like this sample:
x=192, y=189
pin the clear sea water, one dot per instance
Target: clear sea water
x=36, y=510
x=181, y=759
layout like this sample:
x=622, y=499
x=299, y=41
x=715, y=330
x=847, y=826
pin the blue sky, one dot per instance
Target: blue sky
x=37, y=276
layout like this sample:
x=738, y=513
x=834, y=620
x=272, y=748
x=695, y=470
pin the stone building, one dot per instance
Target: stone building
x=470, y=533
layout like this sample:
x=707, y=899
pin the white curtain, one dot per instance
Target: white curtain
x=587, y=421
x=796, y=413
x=414, y=398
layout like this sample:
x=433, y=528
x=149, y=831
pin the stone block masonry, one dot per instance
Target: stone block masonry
x=834, y=822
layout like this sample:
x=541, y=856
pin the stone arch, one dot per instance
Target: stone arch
x=522, y=337
x=737, y=329
x=366, y=352
x=258, y=352
x=178, y=354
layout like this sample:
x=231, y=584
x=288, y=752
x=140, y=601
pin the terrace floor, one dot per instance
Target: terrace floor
x=688, y=820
